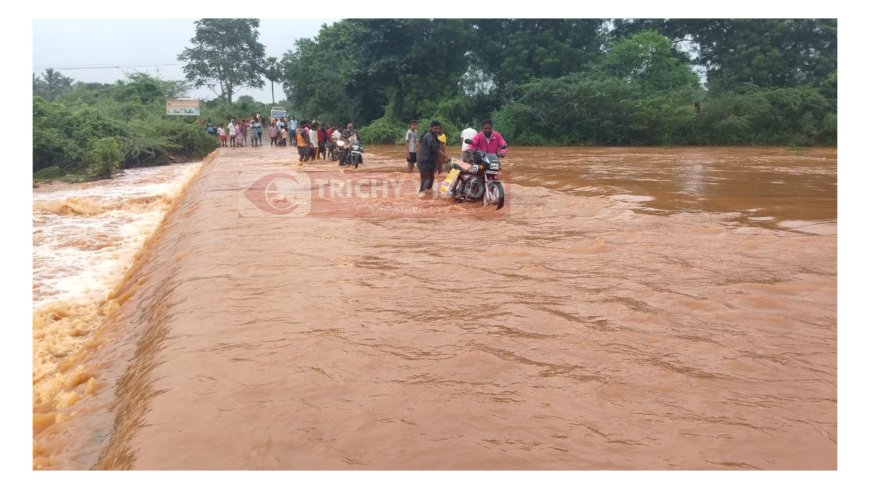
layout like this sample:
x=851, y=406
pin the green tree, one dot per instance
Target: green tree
x=649, y=60
x=51, y=84
x=641, y=92
x=741, y=53
x=315, y=78
x=225, y=53
x=105, y=158
x=515, y=51
x=667, y=86
x=360, y=69
x=272, y=73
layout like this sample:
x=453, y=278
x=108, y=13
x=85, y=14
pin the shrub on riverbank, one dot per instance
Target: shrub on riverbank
x=105, y=158
x=70, y=133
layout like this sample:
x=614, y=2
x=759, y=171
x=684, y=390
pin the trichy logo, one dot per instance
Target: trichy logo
x=286, y=194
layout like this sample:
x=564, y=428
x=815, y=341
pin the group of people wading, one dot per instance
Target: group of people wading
x=429, y=153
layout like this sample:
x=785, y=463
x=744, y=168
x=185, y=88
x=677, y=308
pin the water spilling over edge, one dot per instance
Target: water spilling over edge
x=86, y=239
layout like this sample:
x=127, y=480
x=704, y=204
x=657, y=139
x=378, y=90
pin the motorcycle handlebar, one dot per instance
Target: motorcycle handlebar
x=468, y=141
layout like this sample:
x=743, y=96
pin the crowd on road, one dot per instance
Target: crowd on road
x=311, y=139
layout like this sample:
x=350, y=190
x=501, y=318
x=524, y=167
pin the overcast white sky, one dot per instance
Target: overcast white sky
x=104, y=50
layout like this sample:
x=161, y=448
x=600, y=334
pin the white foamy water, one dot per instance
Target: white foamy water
x=632, y=198
x=85, y=236
x=85, y=239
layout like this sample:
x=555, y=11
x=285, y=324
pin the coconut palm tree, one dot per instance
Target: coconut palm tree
x=272, y=73
x=54, y=83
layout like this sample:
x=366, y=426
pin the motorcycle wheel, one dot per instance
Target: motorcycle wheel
x=459, y=191
x=495, y=191
x=475, y=189
x=355, y=161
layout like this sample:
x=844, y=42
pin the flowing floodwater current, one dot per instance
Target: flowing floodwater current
x=85, y=238
x=631, y=308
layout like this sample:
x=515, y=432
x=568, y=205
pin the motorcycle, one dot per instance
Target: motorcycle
x=356, y=151
x=349, y=152
x=479, y=180
x=339, y=150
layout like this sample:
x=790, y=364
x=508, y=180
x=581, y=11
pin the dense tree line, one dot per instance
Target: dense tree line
x=542, y=81
x=576, y=81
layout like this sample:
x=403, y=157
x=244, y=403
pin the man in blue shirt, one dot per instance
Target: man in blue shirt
x=293, y=125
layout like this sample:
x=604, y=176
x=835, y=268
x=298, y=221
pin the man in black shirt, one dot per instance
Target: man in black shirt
x=427, y=155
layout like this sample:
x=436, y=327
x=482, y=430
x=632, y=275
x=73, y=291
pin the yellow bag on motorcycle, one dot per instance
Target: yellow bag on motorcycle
x=449, y=183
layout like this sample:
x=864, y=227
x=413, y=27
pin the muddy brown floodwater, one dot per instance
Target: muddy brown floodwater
x=629, y=309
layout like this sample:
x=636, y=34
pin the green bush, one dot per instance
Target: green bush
x=828, y=133
x=49, y=173
x=192, y=140
x=514, y=123
x=385, y=130
x=67, y=133
x=105, y=158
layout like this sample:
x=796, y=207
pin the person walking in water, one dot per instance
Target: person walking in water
x=240, y=135
x=273, y=134
x=322, y=138
x=411, y=141
x=243, y=129
x=256, y=132
x=442, y=152
x=231, y=131
x=303, y=143
x=315, y=142
x=292, y=125
x=427, y=156
x=468, y=133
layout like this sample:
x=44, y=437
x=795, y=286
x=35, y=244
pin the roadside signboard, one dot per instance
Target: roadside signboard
x=278, y=113
x=182, y=107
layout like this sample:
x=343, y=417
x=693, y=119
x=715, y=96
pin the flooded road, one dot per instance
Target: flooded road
x=630, y=309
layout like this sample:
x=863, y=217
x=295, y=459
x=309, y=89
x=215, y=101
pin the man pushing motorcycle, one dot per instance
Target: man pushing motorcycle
x=489, y=141
x=478, y=180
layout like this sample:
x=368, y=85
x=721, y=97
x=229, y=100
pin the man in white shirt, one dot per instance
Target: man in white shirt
x=232, y=130
x=315, y=144
x=467, y=133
